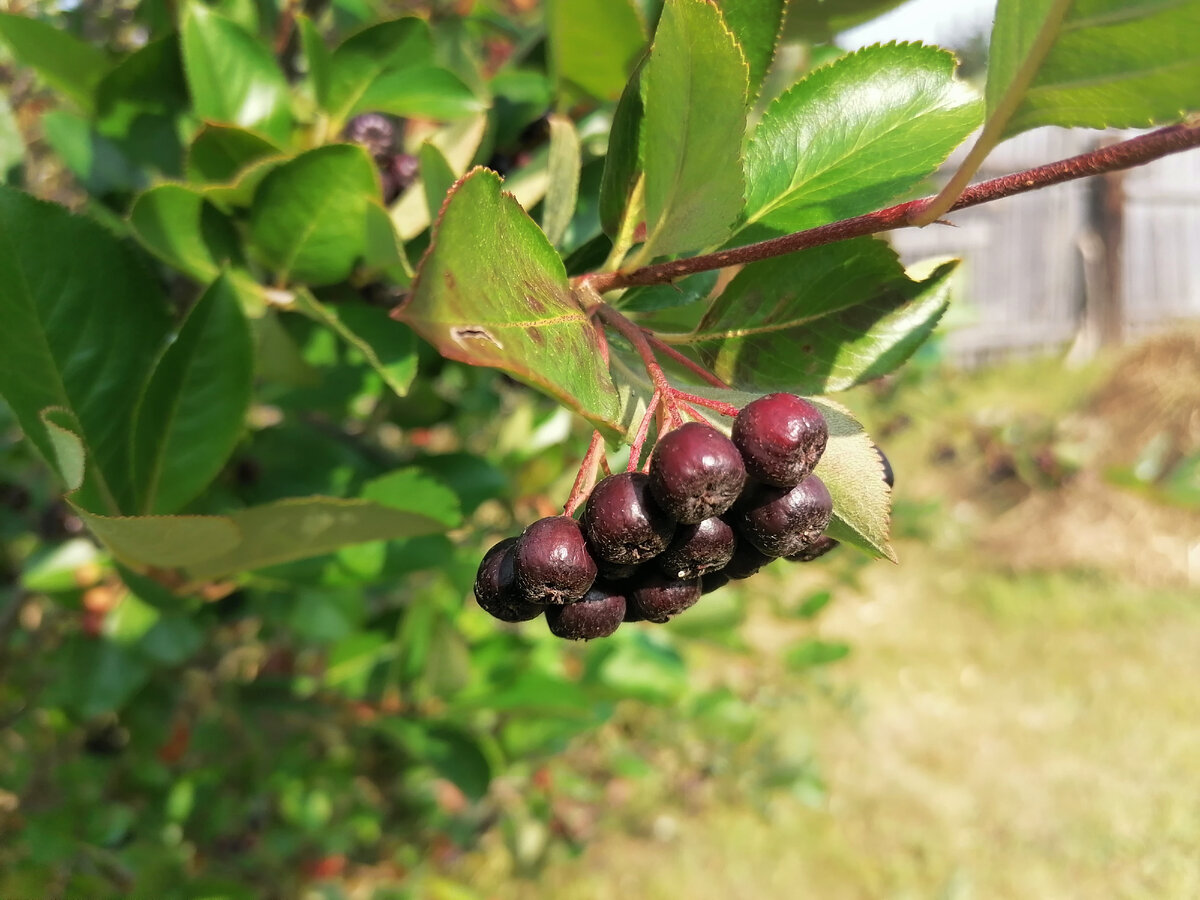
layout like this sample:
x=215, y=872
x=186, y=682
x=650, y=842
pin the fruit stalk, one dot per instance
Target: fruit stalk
x=1124, y=155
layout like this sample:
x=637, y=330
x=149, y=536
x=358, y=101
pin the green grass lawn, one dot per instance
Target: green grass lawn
x=1005, y=727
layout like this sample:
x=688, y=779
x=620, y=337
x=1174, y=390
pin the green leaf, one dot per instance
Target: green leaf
x=757, y=25
x=851, y=470
x=384, y=252
x=308, y=526
x=139, y=104
x=820, y=20
x=308, y=221
x=83, y=323
x=814, y=652
x=855, y=134
x=413, y=488
x=623, y=162
x=180, y=227
x=194, y=407
x=1093, y=63
x=220, y=152
x=695, y=84
x=356, y=64
x=459, y=143
x=491, y=291
x=451, y=752
x=100, y=163
x=353, y=659
x=319, y=59
x=437, y=177
x=593, y=44
x=563, y=171
x=164, y=541
x=233, y=79
x=388, y=346
x=211, y=547
x=69, y=460
x=97, y=676
x=427, y=92
x=820, y=320
x=64, y=62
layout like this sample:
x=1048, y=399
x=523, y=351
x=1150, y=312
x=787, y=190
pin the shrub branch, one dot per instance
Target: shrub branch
x=1124, y=155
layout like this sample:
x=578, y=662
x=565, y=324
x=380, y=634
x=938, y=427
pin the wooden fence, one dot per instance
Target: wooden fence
x=1082, y=264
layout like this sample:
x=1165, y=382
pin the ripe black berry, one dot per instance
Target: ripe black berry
x=781, y=438
x=816, y=549
x=713, y=581
x=698, y=549
x=747, y=560
x=696, y=472
x=397, y=173
x=374, y=131
x=616, y=571
x=552, y=563
x=496, y=588
x=783, y=521
x=622, y=522
x=658, y=598
x=597, y=615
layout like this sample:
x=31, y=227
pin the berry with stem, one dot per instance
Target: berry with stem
x=622, y=522
x=658, y=597
x=783, y=521
x=698, y=549
x=781, y=438
x=597, y=614
x=552, y=563
x=696, y=473
x=496, y=589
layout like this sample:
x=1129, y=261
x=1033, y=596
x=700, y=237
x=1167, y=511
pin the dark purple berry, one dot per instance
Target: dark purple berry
x=622, y=522
x=698, y=549
x=747, y=560
x=397, y=173
x=889, y=477
x=658, y=598
x=816, y=549
x=616, y=571
x=783, y=521
x=496, y=588
x=552, y=562
x=597, y=615
x=374, y=131
x=696, y=472
x=713, y=581
x=781, y=438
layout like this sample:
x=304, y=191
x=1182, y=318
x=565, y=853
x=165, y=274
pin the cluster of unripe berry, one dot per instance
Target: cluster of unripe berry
x=710, y=509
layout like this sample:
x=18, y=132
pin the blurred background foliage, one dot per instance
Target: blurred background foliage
x=1008, y=713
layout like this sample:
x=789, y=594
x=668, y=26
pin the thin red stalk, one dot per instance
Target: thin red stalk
x=587, y=474
x=718, y=406
x=691, y=365
x=693, y=412
x=641, y=344
x=639, y=440
x=1123, y=155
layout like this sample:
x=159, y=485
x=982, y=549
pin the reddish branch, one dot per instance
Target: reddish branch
x=691, y=365
x=641, y=343
x=639, y=440
x=1125, y=155
x=586, y=478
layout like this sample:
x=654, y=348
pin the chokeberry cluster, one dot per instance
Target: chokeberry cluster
x=377, y=134
x=709, y=509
